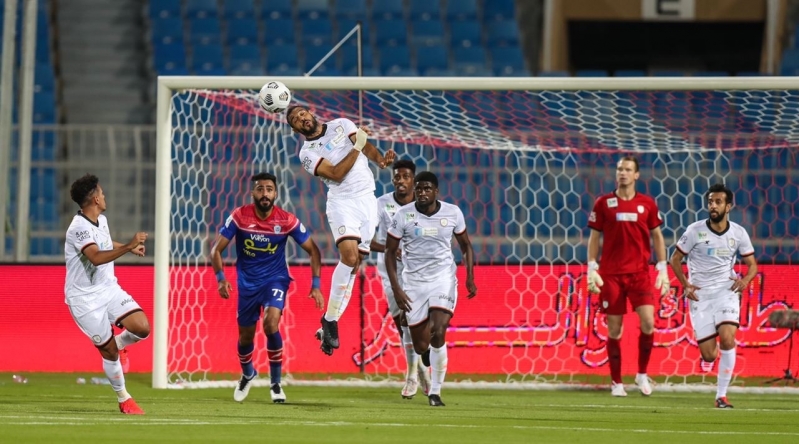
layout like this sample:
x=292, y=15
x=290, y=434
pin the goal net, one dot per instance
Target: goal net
x=524, y=159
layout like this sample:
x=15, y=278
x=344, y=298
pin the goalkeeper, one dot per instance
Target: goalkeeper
x=627, y=219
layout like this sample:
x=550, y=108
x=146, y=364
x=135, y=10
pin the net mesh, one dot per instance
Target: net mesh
x=525, y=168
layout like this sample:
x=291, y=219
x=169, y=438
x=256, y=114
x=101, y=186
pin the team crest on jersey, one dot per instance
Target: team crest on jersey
x=641, y=209
x=731, y=243
x=342, y=229
x=277, y=229
x=613, y=202
x=444, y=222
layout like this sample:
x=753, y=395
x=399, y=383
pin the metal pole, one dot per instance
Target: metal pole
x=25, y=124
x=6, y=108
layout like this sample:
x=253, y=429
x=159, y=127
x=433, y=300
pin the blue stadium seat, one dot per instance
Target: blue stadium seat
x=711, y=74
x=313, y=9
x=167, y=30
x=387, y=10
x=239, y=9
x=630, y=73
x=279, y=31
x=348, y=57
x=458, y=10
x=317, y=32
x=390, y=32
x=344, y=26
x=499, y=10
x=507, y=60
x=349, y=9
x=502, y=32
x=44, y=108
x=439, y=72
x=43, y=145
x=467, y=33
x=198, y=9
x=313, y=54
x=425, y=9
x=433, y=57
x=44, y=79
x=473, y=71
x=402, y=72
x=428, y=32
x=276, y=9
x=164, y=9
x=245, y=60
x=208, y=60
x=205, y=31
x=281, y=57
x=398, y=58
x=473, y=56
x=591, y=73
x=242, y=32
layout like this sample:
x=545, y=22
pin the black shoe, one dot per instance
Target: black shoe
x=435, y=401
x=721, y=403
x=426, y=359
x=330, y=329
x=326, y=349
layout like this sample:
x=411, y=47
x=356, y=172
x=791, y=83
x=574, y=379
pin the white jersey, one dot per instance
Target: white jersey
x=334, y=144
x=711, y=255
x=82, y=276
x=387, y=207
x=427, y=241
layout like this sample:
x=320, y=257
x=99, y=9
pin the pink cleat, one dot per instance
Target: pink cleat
x=129, y=407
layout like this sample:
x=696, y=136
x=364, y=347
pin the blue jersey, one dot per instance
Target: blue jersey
x=261, y=245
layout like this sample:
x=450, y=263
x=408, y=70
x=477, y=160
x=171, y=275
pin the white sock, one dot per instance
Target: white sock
x=726, y=367
x=339, y=296
x=411, y=358
x=438, y=362
x=113, y=370
x=125, y=339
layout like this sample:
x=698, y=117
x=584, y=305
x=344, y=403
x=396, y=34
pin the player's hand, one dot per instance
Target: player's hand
x=595, y=281
x=471, y=288
x=399, y=254
x=662, y=282
x=138, y=239
x=690, y=292
x=138, y=251
x=739, y=284
x=388, y=159
x=319, y=300
x=402, y=299
x=225, y=288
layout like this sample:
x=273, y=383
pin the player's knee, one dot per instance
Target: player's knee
x=647, y=327
x=271, y=326
x=141, y=329
x=727, y=342
x=709, y=355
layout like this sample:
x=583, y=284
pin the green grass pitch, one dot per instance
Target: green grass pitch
x=54, y=408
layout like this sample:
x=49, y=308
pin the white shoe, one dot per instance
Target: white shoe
x=642, y=381
x=409, y=389
x=617, y=389
x=243, y=387
x=424, y=378
x=277, y=393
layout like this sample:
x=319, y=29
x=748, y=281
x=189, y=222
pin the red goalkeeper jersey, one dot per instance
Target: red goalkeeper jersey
x=626, y=226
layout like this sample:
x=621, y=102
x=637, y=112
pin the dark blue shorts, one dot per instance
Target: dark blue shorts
x=272, y=294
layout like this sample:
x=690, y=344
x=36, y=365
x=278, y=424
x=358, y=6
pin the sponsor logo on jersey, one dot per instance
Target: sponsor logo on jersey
x=683, y=239
x=302, y=228
x=410, y=216
x=719, y=252
x=613, y=202
x=126, y=301
x=82, y=235
x=306, y=163
x=702, y=235
x=430, y=231
x=592, y=217
x=259, y=237
x=626, y=217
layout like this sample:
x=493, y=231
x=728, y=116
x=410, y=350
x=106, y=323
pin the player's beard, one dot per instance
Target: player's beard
x=312, y=130
x=718, y=218
x=263, y=207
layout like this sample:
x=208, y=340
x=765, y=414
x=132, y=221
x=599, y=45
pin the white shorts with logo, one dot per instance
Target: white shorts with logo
x=714, y=308
x=441, y=294
x=387, y=290
x=94, y=313
x=353, y=218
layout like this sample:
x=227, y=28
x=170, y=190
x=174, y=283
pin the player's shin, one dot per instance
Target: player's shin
x=614, y=359
x=438, y=365
x=411, y=358
x=126, y=338
x=340, y=292
x=726, y=368
x=113, y=370
x=274, y=349
x=245, y=359
x=645, y=343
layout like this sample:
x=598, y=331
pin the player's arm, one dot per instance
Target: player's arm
x=662, y=281
x=360, y=142
x=312, y=249
x=468, y=258
x=138, y=251
x=377, y=247
x=689, y=289
x=220, y=244
x=392, y=245
x=751, y=271
x=594, y=279
x=99, y=257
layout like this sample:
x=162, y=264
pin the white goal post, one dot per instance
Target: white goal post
x=547, y=145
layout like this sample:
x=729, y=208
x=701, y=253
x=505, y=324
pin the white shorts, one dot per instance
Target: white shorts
x=714, y=308
x=95, y=313
x=441, y=294
x=387, y=290
x=353, y=218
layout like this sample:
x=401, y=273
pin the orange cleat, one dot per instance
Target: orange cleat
x=129, y=407
x=124, y=361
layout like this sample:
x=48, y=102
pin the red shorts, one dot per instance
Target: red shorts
x=619, y=288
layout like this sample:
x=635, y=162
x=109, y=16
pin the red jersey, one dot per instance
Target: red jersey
x=626, y=226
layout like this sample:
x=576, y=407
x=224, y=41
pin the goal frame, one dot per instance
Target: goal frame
x=167, y=85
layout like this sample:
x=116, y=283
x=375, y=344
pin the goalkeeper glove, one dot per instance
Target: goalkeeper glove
x=662, y=281
x=594, y=280
x=360, y=139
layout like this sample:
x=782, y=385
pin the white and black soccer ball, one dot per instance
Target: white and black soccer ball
x=274, y=97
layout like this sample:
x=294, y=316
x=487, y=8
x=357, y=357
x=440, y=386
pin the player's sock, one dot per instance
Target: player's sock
x=339, y=297
x=113, y=370
x=438, y=363
x=614, y=359
x=245, y=358
x=125, y=339
x=411, y=358
x=726, y=367
x=274, y=349
x=644, y=351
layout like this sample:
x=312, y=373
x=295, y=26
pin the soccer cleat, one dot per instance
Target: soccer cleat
x=123, y=360
x=722, y=403
x=642, y=381
x=277, y=393
x=409, y=389
x=326, y=348
x=424, y=379
x=435, y=401
x=243, y=387
x=426, y=358
x=330, y=332
x=617, y=389
x=129, y=407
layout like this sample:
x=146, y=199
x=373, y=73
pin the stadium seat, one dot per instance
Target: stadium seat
x=472, y=71
x=344, y=26
x=507, y=59
x=424, y=9
x=630, y=73
x=499, y=10
x=279, y=31
x=313, y=54
x=349, y=9
x=467, y=33
x=208, y=60
x=502, y=32
x=433, y=57
x=281, y=58
x=164, y=8
x=245, y=59
x=458, y=10
x=398, y=58
x=348, y=58
x=239, y=9
x=317, y=32
x=204, y=31
x=44, y=108
x=276, y=9
x=428, y=32
x=473, y=56
x=390, y=32
x=242, y=32
x=591, y=73
x=439, y=72
x=313, y=9
x=167, y=30
x=199, y=9
x=44, y=79
x=387, y=10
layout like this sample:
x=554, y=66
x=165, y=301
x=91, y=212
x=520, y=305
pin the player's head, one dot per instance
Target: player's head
x=426, y=189
x=627, y=171
x=86, y=192
x=402, y=178
x=264, y=191
x=719, y=202
x=301, y=120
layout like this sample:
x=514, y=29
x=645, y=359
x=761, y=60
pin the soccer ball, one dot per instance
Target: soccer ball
x=274, y=97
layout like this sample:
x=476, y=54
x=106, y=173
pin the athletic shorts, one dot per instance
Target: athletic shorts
x=271, y=294
x=441, y=294
x=713, y=309
x=353, y=218
x=619, y=288
x=95, y=313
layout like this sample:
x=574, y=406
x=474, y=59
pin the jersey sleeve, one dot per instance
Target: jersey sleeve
x=687, y=241
x=300, y=234
x=80, y=236
x=383, y=222
x=655, y=219
x=745, y=247
x=460, y=222
x=310, y=160
x=348, y=126
x=229, y=229
x=596, y=220
x=397, y=227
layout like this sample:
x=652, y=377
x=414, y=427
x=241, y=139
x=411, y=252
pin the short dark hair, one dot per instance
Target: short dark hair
x=720, y=188
x=83, y=188
x=426, y=176
x=292, y=108
x=632, y=159
x=263, y=176
x=404, y=164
